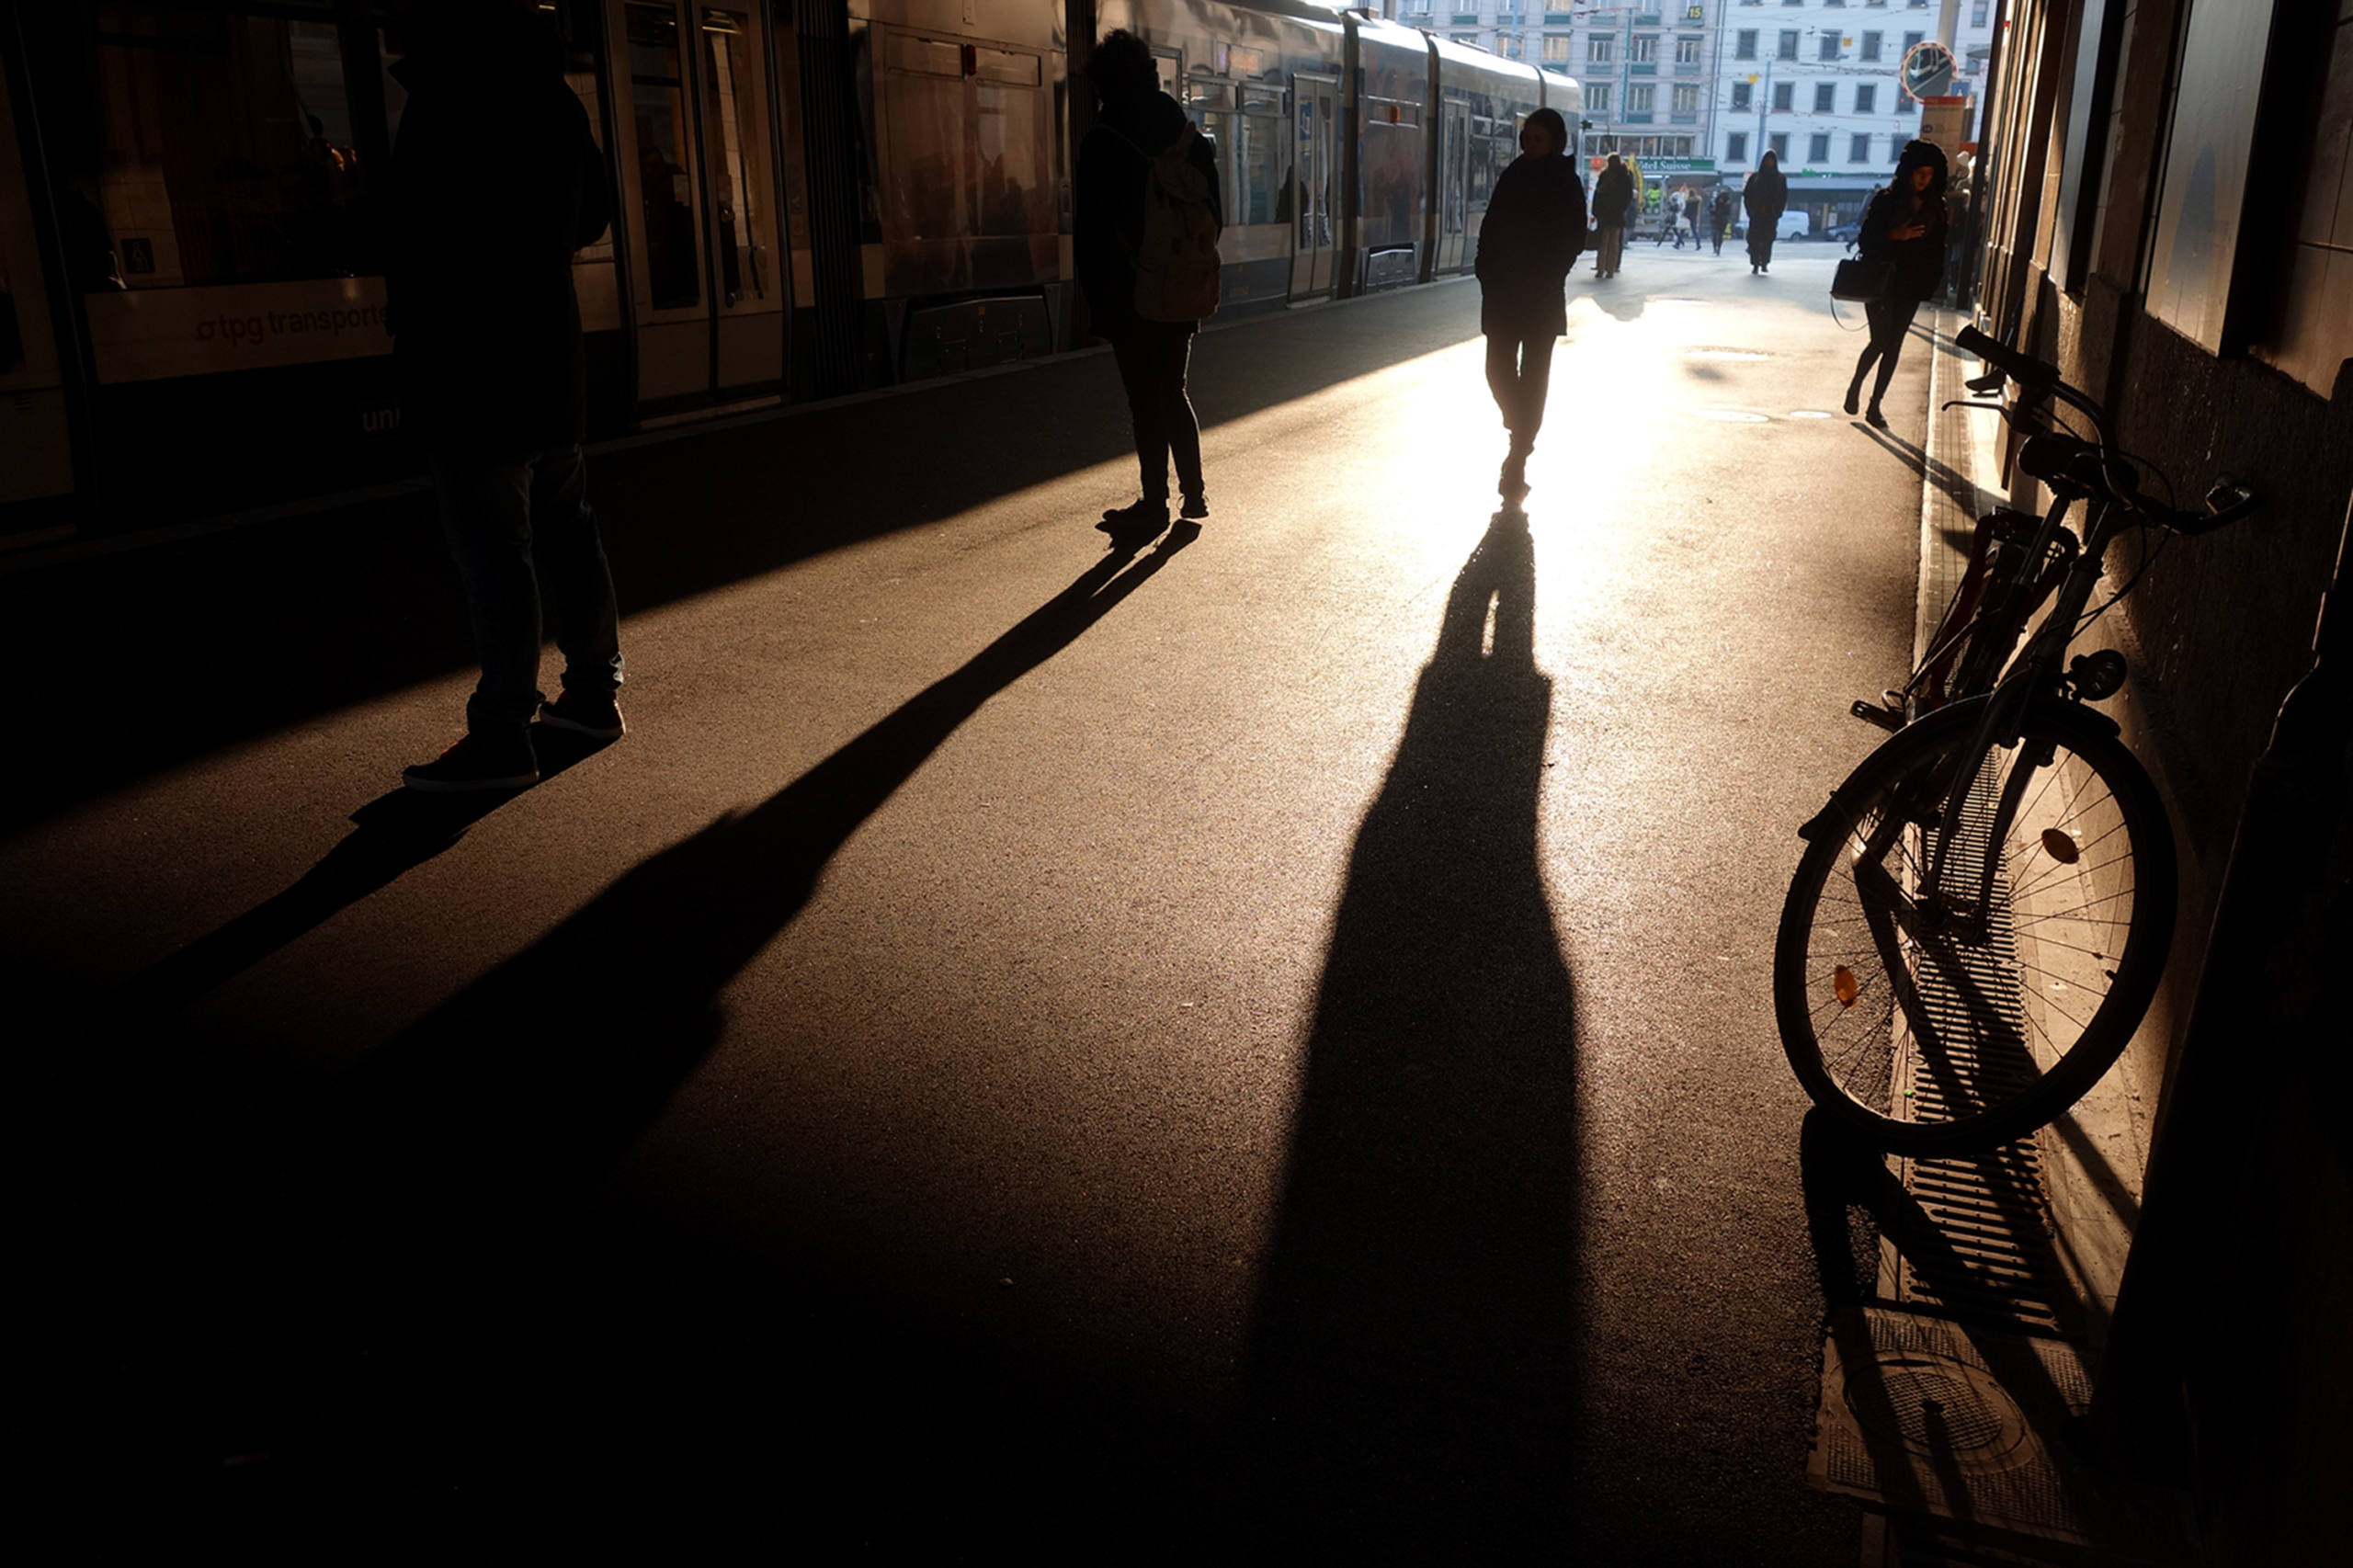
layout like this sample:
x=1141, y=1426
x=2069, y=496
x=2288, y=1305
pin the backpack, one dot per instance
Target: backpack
x=1177, y=263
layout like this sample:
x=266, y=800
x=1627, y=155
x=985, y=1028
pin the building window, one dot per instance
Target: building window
x=1743, y=44
x=1640, y=97
x=1825, y=98
x=1686, y=98
x=1789, y=43
x=1912, y=42
x=1642, y=49
x=1867, y=98
x=1871, y=46
x=1779, y=144
x=1556, y=49
x=1977, y=13
x=1829, y=45
x=1597, y=97
x=1784, y=97
x=1858, y=150
x=1687, y=52
x=1817, y=147
x=1736, y=147
x=1741, y=96
x=1919, y=4
x=1600, y=49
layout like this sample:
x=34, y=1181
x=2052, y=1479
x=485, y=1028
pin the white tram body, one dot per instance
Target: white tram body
x=813, y=198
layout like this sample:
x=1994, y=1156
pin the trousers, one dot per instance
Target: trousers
x=1890, y=319
x=1613, y=248
x=1151, y=357
x=1519, y=372
x=520, y=527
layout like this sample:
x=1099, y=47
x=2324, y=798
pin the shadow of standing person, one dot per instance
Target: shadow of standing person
x=1412, y=1370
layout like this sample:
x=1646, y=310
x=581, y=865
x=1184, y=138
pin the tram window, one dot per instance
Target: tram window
x=970, y=155
x=658, y=107
x=228, y=153
x=734, y=113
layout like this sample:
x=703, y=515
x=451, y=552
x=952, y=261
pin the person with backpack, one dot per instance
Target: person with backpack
x=1144, y=237
x=1534, y=229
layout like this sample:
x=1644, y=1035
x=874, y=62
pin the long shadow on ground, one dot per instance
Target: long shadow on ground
x=1412, y=1369
x=371, y=1303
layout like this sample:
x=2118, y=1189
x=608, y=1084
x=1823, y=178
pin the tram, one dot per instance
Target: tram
x=813, y=198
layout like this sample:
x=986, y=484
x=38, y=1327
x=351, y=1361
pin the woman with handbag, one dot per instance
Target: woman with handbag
x=1903, y=237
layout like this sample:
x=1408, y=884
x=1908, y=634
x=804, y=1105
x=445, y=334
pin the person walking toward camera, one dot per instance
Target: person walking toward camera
x=1613, y=197
x=1145, y=241
x=1904, y=232
x=1765, y=195
x=1534, y=229
x=1719, y=217
x=497, y=181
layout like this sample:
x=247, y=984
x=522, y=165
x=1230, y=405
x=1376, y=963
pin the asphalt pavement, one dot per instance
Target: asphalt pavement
x=1258, y=1045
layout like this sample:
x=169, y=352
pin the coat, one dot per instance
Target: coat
x=497, y=181
x=1764, y=198
x=1107, y=229
x=1915, y=267
x=1612, y=194
x=1534, y=231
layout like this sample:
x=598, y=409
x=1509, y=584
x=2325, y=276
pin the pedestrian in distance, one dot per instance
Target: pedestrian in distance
x=1613, y=199
x=497, y=180
x=1670, y=212
x=1144, y=236
x=1764, y=197
x=1720, y=216
x=1695, y=209
x=1903, y=230
x=1534, y=229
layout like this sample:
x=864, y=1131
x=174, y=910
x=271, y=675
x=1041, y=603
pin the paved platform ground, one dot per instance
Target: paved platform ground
x=1262, y=1045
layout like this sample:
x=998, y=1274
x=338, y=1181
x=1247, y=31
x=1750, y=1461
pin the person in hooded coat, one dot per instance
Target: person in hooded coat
x=1613, y=195
x=1135, y=122
x=495, y=182
x=1903, y=228
x=1764, y=198
x=1534, y=231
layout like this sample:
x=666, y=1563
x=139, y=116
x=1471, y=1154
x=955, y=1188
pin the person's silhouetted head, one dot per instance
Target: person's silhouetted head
x=1544, y=134
x=1616, y=161
x=1921, y=171
x=1122, y=68
x=1769, y=163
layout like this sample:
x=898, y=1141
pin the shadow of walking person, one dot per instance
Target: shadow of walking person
x=1412, y=1367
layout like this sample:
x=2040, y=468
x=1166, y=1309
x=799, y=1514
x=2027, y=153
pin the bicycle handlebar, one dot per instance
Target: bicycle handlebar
x=2023, y=369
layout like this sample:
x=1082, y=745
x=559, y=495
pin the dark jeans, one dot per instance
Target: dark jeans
x=1152, y=357
x=1519, y=370
x=1891, y=318
x=518, y=525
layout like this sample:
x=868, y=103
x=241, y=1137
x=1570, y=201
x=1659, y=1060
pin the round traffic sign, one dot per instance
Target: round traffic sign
x=1928, y=70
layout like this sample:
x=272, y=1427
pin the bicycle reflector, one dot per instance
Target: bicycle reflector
x=2096, y=676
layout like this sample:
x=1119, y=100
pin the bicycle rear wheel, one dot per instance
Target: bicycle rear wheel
x=1958, y=1022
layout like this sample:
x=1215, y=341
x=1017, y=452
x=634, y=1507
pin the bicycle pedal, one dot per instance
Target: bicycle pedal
x=1869, y=712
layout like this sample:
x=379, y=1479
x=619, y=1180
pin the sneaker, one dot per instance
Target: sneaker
x=598, y=716
x=1196, y=506
x=477, y=762
x=1147, y=513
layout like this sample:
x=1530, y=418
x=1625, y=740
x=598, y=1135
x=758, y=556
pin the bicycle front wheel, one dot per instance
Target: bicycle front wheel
x=1943, y=994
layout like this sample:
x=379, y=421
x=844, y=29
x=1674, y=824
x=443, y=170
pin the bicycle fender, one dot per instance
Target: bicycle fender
x=1953, y=714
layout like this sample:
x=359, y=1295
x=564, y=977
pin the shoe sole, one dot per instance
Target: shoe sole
x=550, y=720
x=468, y=786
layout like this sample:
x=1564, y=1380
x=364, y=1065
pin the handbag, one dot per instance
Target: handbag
x=1859, y=281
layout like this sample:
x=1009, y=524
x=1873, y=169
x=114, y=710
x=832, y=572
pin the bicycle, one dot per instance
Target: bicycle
x=1982, y=911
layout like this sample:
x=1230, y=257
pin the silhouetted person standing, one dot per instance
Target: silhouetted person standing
x=1534, y=229
x=496, y=183
x=1766, y=196
x=1135, y=124
x=1903, y=227
x=1719, y=217
x=1613, y=201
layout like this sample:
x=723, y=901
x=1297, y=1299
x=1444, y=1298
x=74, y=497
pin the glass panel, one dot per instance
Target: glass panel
x=658, y=108
x=735, y=118
x=974, y=156
x=229, y=155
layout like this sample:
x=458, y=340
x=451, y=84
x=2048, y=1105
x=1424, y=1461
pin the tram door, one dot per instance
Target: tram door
x=1316, y=164
x=1454, y=184
x=699, y=195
